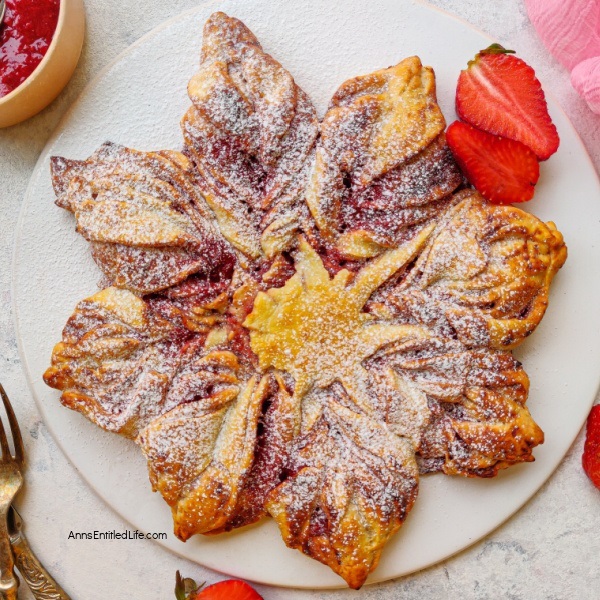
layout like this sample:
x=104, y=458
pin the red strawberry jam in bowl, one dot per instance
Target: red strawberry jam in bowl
x=25, y=36
x=40, y=45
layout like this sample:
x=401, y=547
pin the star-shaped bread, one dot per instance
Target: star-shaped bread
x=302, y=316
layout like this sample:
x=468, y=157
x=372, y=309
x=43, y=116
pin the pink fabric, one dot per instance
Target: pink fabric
x=570, y=29
x=585, y=78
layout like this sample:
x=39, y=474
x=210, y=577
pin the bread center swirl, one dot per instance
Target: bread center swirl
x=314, y=327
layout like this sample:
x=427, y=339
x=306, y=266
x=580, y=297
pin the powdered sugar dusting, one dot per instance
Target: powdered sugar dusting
x=148, y=225
x=250, y=132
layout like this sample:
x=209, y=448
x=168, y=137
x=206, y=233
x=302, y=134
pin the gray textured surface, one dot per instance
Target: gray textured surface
x=550, y=549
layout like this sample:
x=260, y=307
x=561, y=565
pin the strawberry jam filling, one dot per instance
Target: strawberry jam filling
x=25, y=36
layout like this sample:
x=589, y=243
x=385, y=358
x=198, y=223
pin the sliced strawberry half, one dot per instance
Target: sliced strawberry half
x=500, y=94
x=231, y=589
x=502, y=170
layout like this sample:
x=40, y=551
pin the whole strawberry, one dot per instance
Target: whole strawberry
x=591, y=449
x=499, y=93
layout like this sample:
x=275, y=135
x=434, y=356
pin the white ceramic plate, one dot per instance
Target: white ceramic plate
x=138, y=101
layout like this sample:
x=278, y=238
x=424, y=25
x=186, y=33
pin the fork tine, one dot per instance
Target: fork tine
x=14, y=427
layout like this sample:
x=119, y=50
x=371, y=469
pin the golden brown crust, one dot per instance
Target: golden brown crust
x=199, y=453
x=122, y=364
x=251, y=132
x=477, y=420
x=148, y=226
x=382, y=165
x=349, y=487
x=484, y=276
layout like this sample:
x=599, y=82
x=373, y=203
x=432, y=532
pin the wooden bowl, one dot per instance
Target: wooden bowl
x=54, y=70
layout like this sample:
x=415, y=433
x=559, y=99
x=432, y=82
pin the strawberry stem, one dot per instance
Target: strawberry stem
x=179, y=586
x=496, y=49
x=185, y=587
x=493, y=49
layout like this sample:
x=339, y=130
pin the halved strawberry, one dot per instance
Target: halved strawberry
x=591, y=450
x=500, y=94
x=231, y=589
x=502, y=170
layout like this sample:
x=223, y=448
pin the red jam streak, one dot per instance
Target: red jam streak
x=25, y=36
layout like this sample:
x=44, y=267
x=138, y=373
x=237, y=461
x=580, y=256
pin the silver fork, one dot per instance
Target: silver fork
x=2, y=10
x=11, y=481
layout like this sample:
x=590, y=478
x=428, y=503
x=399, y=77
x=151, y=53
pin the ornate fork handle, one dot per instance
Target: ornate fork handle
x=9, y=583
x=40, y=582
